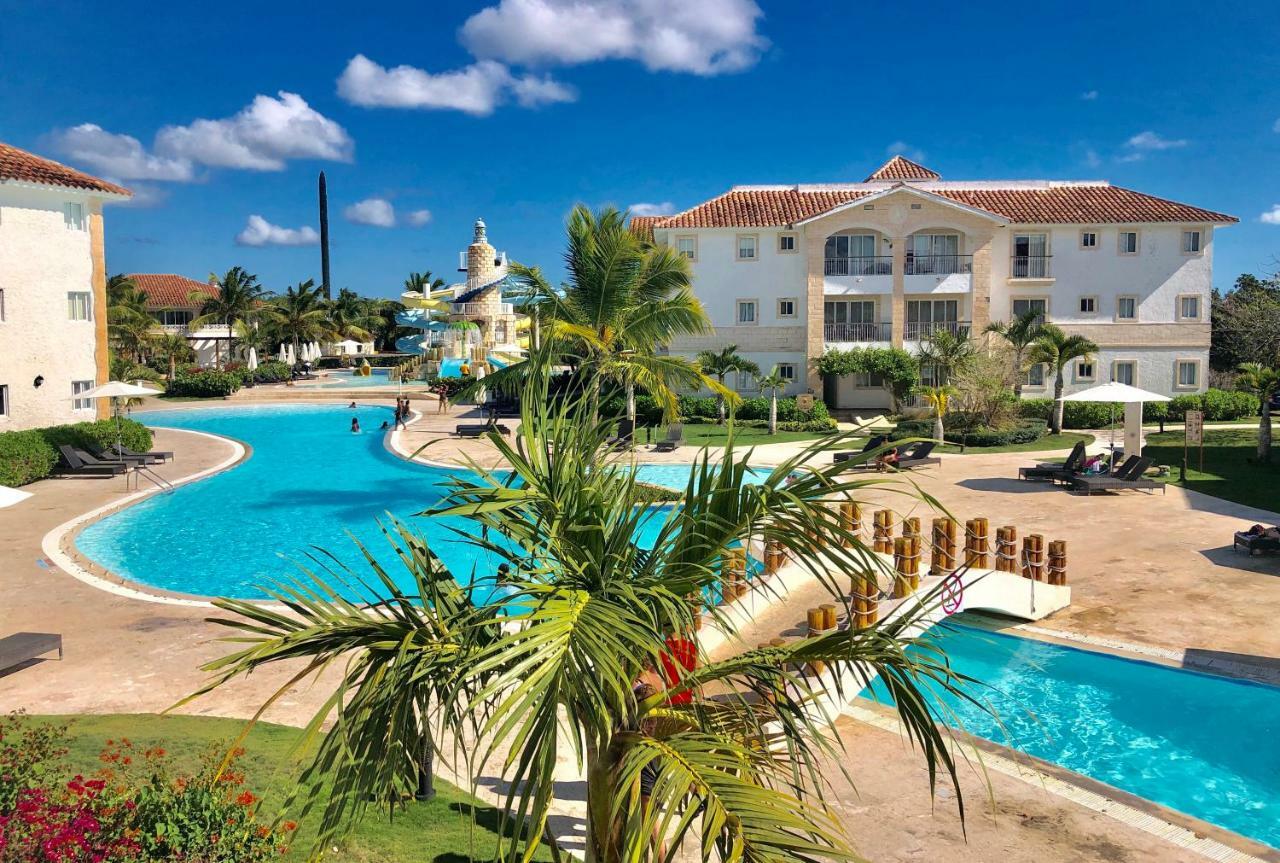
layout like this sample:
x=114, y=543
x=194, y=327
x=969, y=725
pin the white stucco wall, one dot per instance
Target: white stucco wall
x=41, y=260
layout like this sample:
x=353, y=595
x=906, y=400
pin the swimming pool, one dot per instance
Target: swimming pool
x=1197, y=743
x=676, y=476
x=377, y=378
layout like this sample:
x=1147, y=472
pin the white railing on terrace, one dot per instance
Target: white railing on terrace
x=1030, y=267
x=938, y=265
x=480, y=308
x=857, y=332
x=920, y=330
x=881, y=265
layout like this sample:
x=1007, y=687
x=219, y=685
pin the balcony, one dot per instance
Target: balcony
x=479, y=309
x=881, y=265
x=1030, y=267
x=208, y=331
x=869, y=332
x=938, y=265
x=919, y=331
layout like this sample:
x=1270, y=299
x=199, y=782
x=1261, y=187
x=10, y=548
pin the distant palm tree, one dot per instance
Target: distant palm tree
x=770, y=384
x=720, y=363
x=299, y=314
x=174, y=348
x=386, y=329
x=947, y=352
x=937, y=399
x=129, y=324
x=1055, y=347
x=1019, y=333
x=423, y=283
x=1264, y=381
x=351, y=316
x=238, y=301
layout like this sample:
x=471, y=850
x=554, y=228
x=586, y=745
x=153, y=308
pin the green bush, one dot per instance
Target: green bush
x=756, y=408
x=26, y=456
x=959, y=431
x=271, y=372
x=205, y=383
x=810, y=426
x=1218, y=406
x=451, y=385
x=1221, y=405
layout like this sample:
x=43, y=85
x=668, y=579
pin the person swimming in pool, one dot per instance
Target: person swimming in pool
x=351, y=406
x=355, y=425
x=385, y=425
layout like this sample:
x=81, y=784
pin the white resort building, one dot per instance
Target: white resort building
x=789, y=272
x=174, y=302
x=53, y=291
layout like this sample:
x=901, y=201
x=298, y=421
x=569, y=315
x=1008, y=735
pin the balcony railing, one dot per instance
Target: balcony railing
x=919, y=331
x=1030, y=267
x=480, y=308
x=881, y=265
x=869, y=332
x=938, y=265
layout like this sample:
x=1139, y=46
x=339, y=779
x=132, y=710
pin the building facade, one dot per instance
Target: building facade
x=53, y=278
x=174, y=302
x=789, y=272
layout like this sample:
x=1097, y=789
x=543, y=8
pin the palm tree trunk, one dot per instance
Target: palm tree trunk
x=173, y=367
x=631, y=403
x=1017, y=373
x=1264, y=431
x=938, y=430
x=773, y=412
x=1057, y=402
x=720, y=402
x=217, y=353
x=231, y=342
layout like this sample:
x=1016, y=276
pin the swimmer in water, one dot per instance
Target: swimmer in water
x=355, y=425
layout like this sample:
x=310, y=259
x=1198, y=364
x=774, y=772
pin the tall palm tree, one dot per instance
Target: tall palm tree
x=238, y=301
x=174, y=348
x=549, y=672
x=129, y=324
x=771, y=384
x=423, y=283
x=720, y=364
x=1264, y=381
x=1055, y=347
x=351, y=316
x=947, y=352
x=1019, y=333
x=299, y=314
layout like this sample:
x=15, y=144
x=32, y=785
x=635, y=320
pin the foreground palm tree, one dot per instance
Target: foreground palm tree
x=1019, y=333
x=238, y=301
x=720, y=364
x=130, y=326
x=1257, y=378
x=732, y=747
x=1055, y=347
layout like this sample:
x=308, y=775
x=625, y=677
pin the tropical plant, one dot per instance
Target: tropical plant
x=548, y=670
x=937, y=399
x=984, y=388
x=238, y=301
x=386, y=329
x=1019, y=333
x=1265, y=383
x=720, y=364
x=1246, y=324
x=898, y=370
x=624, y=299
x=129, y=325
x=351, y=316
x=1054, y=347
x=947, y=352
x=771, y=384
x=299, y=315
x=423, y=284
x=173, y=348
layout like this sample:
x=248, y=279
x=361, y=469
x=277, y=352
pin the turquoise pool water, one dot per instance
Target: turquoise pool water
x=451, y=367
x=377, y=378
x=1204, y=745
x=676, y=476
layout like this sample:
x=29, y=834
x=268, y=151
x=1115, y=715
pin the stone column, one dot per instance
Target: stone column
x=98, y=279
x=815, y=343
x=980, y=286
x=898, y=305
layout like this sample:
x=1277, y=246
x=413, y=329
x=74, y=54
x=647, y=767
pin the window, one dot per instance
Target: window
x=787, y=307
x=79, y=305
x=173, y=317
x=4, y=400
x=850, y=321
x=787, y=371
x=1035, y=375
x=1125, y=372
x=925, y=317
x=687, y=246
x=78, y=387
x=1189, y=308
x=746, y=381
x=1188, y=374
x=1088, y=305
x=746, y=311
x=786, y=243
x=1030, y=257
x=854, y=255
x=1126, y=308
x=1084, y=371
x=73, y=214
x=746, y=247
x=1191, y=242
x=934, y=254
x=868, y=380
x=1128, y=242
x=1040, y=306
x=1088, y=239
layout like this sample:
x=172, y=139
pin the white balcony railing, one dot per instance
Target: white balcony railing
x=480, y=308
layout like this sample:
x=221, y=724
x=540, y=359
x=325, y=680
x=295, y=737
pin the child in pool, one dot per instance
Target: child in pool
x=355, y=425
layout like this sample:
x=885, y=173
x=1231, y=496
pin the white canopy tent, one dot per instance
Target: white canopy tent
x=1132, y=399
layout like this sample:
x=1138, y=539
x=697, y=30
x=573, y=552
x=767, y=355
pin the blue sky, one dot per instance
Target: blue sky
x=516, y=109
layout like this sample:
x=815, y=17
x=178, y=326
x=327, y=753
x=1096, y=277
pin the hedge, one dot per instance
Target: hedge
x=753, y=409
x=813, y=426
x=960, y=432
x=271, y=372
x=1218, y=406
x=204, y=383
x=26, y=456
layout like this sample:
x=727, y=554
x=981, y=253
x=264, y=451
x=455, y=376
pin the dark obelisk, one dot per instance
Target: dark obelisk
x=324, y=236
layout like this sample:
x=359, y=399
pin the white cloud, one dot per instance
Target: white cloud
x=259, y=232
x=1089, y=95
x=902, y=148
x=665, y=208
x=709, y=37
x=121, y=156
x=1272, y=216
x=418, y=218
x=1148, y=141
x=1276, y=127
x=261, y=137
x=372, y=211
x=475, y=89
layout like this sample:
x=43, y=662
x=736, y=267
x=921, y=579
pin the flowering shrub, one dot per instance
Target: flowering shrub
x=134, y=808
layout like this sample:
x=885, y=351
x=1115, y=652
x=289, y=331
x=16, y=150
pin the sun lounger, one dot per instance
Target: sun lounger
x=1130, y=475
x=74, y=462
x=872, y=443
x=1256, y=543
x=24, y=646
x=153, y=457
x=874, y=463
x=1051, y=471
x=674, y=439
x=918, y=456
x=478, y=429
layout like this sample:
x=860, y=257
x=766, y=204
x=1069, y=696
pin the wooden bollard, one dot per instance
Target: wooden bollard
x=903, y=583
x=1033, y=557
x=851, y=516
x=882, y=539
x=815, y=619
x=975, y=543
x=943, y=557
x=1007, y=549
x=828, y=616
x=1058, y=562
x=911, y=525
x=773, y=556
x=777, y=642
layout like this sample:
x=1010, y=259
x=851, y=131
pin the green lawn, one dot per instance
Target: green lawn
x=710, y=434
x=1064, y=441
x=443, y=830
x=1229, y=469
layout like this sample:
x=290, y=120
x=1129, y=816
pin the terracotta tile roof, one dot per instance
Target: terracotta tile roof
x=900, y=168
x=1066, y=204
x=166, y=290
x=642, y=226
x=27, y=167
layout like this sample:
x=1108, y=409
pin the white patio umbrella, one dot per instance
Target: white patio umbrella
x=315, y=351
x=116, y=390
x=10, y=496
x=1132, y=399
x=293, y=357
x=283, y=356
x=252, y=362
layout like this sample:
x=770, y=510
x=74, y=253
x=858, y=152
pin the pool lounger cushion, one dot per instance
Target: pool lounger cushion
x=1130, y=475
x=477, y=429
x=1254, y=543
x=76, y=462
x=1052, y=471
x=24, y=646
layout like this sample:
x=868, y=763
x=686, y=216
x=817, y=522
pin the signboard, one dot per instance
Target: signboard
x=1195, y=428
x=804, y=402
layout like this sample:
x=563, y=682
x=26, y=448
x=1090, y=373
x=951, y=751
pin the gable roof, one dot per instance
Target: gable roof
x=22, y=167
x=166, y=290
x=902, y=168
x=642, y=226
x=910, y=191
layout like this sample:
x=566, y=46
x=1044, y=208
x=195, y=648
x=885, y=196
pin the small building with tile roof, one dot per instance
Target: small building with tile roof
x=53, y=295
x=175, y=301
x=788, y=272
